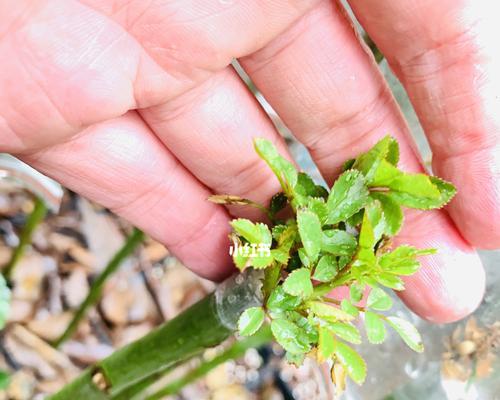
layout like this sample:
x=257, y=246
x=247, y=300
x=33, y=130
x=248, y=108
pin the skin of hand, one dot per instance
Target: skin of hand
x=134, y=104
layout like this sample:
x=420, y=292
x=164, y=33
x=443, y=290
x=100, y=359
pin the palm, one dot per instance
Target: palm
x=134, y=105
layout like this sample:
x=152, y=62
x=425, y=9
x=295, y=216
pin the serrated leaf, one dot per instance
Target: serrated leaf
x=310, y=233
x=376, y=216
x=348, y=195
x=403, y=260
x=328, y=312
x=306, y=188
x=352, y=361
x=345, y=331
x=271, y=278
x=251, y=320
x=318, y=206
x=389, y=280
x=309, y=331
x=379, y=300
x=284, y=170
x=392, y=155
x=356, y=291
x=298, y=283
x=304, y=258
x=375, y=329
x=366, y=238
x=4, y=301
x=338, y=242
x=326, y=269
x=393, y=214
x=254, y=233
x=408, y=333
x=369, y=162
x=280, y=301
x=418, y=185
x=288, y=335
x=445, y=189
x=349, y=308
x=326, y=345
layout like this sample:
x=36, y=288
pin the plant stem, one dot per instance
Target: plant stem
x=236, y=350
x=34, y=219
x=133, y=240
x=205, y=324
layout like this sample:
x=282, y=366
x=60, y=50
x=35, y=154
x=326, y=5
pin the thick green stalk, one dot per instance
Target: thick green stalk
x=205, y=324
x=236, y=350
x=133, y=240
x=34, y=219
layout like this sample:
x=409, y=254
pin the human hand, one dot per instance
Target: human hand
x=134, y=104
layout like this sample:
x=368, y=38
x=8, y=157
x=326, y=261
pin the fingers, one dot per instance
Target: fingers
x=122, y=165
x=336, y=102
x=210, y=130
x=446, y=55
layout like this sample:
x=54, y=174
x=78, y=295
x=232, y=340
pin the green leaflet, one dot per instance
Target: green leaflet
x=349, y=194
x=352, y=361
x=318, y=206
x=345, y=331
x=251, y=320
x=393, y=215
x=403, y=260
x=306, y=189
x=408, y=333
x=338, y=242
x=298, y=283
x=356, y=292
x=369, y=162
x=326, y=344
x=326, y=269
x=379, y=300
x=349, y=308
x=329, y=312
x=284, y=170
x=375, y=329
x=280, y=301
x=310, y=233
x=389, y=280
x=289, y=336
x=254, y=233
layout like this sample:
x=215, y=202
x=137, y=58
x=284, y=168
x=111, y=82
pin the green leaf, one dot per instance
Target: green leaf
x=295, y=359
x=345, y=331
x=280, y=301
x=375, y=329
x=310, y=233
x=318, y=206
x=284, y=170
x=298, y=283
x=408, y=333
x=403, y=260
x=366, y=238
x=389, y=280
x=326, y=344
x=376, y=216
x=304, y=259
x=271, y=279
x=254, y=233
x=4, y=301
x=251, y=320
x=369, y=162
x=349, y=308
x=326, y=269
x=338, y=242
x=328, y=312
x=393, y=214
x=356, y=291
x=445, y=190
x=306, y=188
x=309, y=331
x=349, y=194
x=418, y=185
x=289, y=336
x=379, y=300
x=393, y=153
x=352, y=361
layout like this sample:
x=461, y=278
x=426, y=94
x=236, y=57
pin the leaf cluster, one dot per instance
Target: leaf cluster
x=336, y=237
